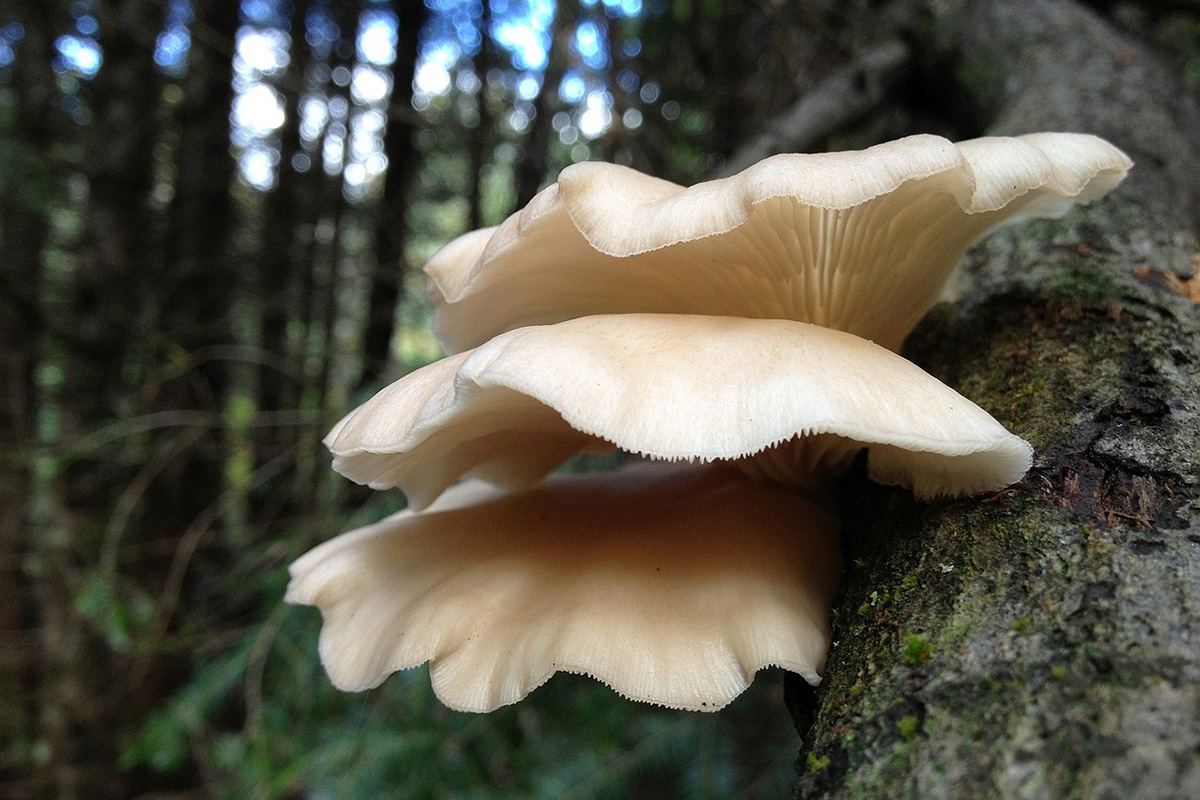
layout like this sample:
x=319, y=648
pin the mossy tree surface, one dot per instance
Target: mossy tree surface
x=1043, y=642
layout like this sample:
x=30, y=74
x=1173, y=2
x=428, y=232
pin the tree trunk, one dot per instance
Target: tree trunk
x=27, y=195
x=535, y=150
x=98, y=317
x=480, y=138
x=391, y=228
x=198, y=255
x=1043, y=642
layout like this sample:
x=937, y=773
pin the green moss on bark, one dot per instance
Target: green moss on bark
x=996, y=646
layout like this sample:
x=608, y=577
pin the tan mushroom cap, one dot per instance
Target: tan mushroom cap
x=792, y=400
x=859, y=241
x=673, y=585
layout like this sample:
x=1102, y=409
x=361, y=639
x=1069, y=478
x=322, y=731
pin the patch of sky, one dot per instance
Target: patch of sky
x=314, y=115
x=334, y=149
x=468, y=36
x=262, y=12
x=625, y=8
x=370, y=85
x=461, y=22
x=258, y=110
x=261, y=51
x=573, y=88
x=589, y=43
x=320, y=31
x=613, y=8
x=466, y=82
x=10, y=34
x=527, y=45
x=433, y=68
x=597, y=114
x=87, y=25
x=365, y=140
x=79, y=54
x=175, y=40
x=373, y=121
x=518, y=120
x=523, y=28
x=338, y=108
x=257, y=166
x=528, y=86
x=377, y=37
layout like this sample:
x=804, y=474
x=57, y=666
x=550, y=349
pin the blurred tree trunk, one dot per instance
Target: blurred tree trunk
x=204, y=167
x=320, y=264
x=534, y=164
x=288, y=216
x=391, y=227
x=27, y=197
x=100, y=317
x=1046, y=641
x=480, y=137
x=194, y=287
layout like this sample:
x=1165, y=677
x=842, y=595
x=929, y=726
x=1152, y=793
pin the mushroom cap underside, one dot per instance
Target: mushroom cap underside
x=674, y=387
x=859, y=241
x=672, y=584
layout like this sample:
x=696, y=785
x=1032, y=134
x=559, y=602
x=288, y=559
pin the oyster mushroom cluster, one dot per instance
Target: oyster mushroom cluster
x=740, y=335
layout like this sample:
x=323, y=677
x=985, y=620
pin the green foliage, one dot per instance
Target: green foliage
x=263, y=720
x=119, y=613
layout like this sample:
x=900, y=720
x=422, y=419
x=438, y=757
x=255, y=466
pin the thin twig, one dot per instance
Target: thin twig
x=180, y=418
x=169, y=598
x=127, y=502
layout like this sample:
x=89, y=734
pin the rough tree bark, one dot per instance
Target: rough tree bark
x=1043, y=642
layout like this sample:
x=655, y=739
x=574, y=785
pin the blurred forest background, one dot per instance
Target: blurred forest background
x=212, y=218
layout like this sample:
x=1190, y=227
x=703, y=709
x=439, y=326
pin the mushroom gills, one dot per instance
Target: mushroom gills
x=860, y=241
x=788, y=401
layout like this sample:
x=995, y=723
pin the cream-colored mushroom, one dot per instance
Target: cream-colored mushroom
x=786, y=399
x=858, y=241
x=672, y=584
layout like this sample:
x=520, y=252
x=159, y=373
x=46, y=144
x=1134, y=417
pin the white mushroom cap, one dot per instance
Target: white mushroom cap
x=671, y=585
x=858, y=241
x=675, y=387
